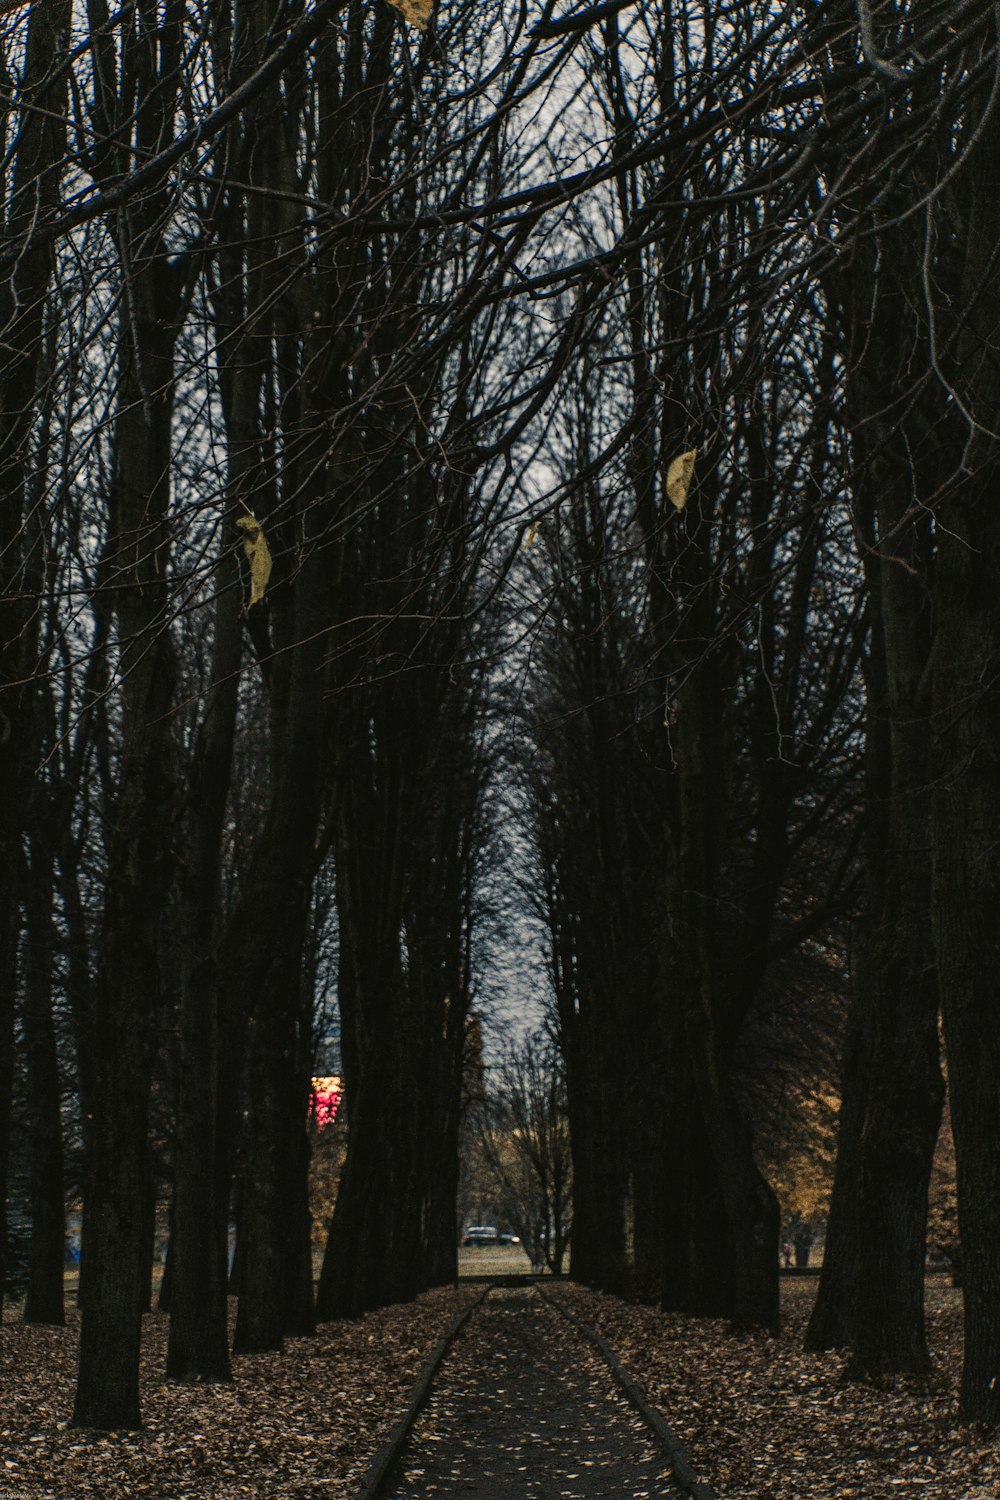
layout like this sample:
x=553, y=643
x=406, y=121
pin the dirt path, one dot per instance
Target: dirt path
x=523, y=1409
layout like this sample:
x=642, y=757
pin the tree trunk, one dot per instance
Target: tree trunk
x=402, y=1021
x=165, y=1294
x=600, y=1184
x=44, y=1300
x=140, y=873
x=114, y=1217
x=696, y=1267
x=269, y=1242
x=295, y=1145
x=198, y=1345
x=966, y=809
x=710, y=1032
x=890, y=1125
x=966, y=902
x=8, y=980
x=646, y=1150
x=370, y=1254
x=260, y=1319
x=265, y=949
x=32, y=188
x=834, y=1315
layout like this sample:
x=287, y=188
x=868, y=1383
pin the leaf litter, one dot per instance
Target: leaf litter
x=303, y=1425
x=762, y=1419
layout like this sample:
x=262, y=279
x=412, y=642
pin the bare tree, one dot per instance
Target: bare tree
x=523, y=1133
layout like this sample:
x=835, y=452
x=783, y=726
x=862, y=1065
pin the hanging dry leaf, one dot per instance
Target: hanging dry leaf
x=415, y=12
x=258, y=555
x=531, y=534
x=679, y=477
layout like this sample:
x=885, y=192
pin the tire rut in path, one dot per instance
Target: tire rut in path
x=522, y=1409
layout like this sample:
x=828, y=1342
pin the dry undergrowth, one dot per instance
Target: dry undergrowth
x=305, y=1424
x=764, y=1421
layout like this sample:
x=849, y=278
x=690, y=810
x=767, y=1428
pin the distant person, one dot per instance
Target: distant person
x=803, y=1244
x=786, y=1255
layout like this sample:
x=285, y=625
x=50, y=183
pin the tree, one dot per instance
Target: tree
x=32, y=171
x=966, y=654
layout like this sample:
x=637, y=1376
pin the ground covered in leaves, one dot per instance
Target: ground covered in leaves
x=305, y=1424
x=762, y=1420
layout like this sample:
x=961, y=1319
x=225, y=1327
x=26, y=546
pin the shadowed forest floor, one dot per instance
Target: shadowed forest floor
x=764, y=1421
x=305, y=1424
x=759, y=1418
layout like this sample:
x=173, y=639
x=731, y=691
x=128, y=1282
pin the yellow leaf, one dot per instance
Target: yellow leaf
x=679, y=477
x=532, y=533
x=416, y=12
x=258, y=555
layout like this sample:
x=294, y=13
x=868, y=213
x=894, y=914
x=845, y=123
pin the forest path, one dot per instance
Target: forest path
x=523, y=1409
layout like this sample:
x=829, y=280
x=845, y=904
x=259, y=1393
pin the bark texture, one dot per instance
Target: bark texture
x=966, y=812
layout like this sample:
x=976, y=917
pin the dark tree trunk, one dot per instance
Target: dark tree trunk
x=752, y=1213
x=44, y=1300
x=966, y=902
x=372, y=1257
x=872, y=1289
x=597, y=1254
x=440, y=898
x=115, y=1238
x=148, y=1235
x=198, y=1346
x=834, y=1316
x=708, y=1267
x=116, y=1250
x=165, y=1295
x=442, y=1117
x=32, y=188
x=8, y=978
x=271, y=1242
x=905, y=1088
x=296, y=1215
x=260, y=1321
x=372, y=1253
x=696, y=1267
x=594, y=1090
x=265, y=953
x=966, y=810
x=711, y=1030
x=646, y=1148
x=114, y=1219
x=402, y=1023
x=441, y=1267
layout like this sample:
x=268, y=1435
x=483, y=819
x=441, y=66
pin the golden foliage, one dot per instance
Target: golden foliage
x=802, y=1176
x=416, y=13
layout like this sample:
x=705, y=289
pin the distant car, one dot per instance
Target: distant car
x=486, y=1234
x=480, y=1234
